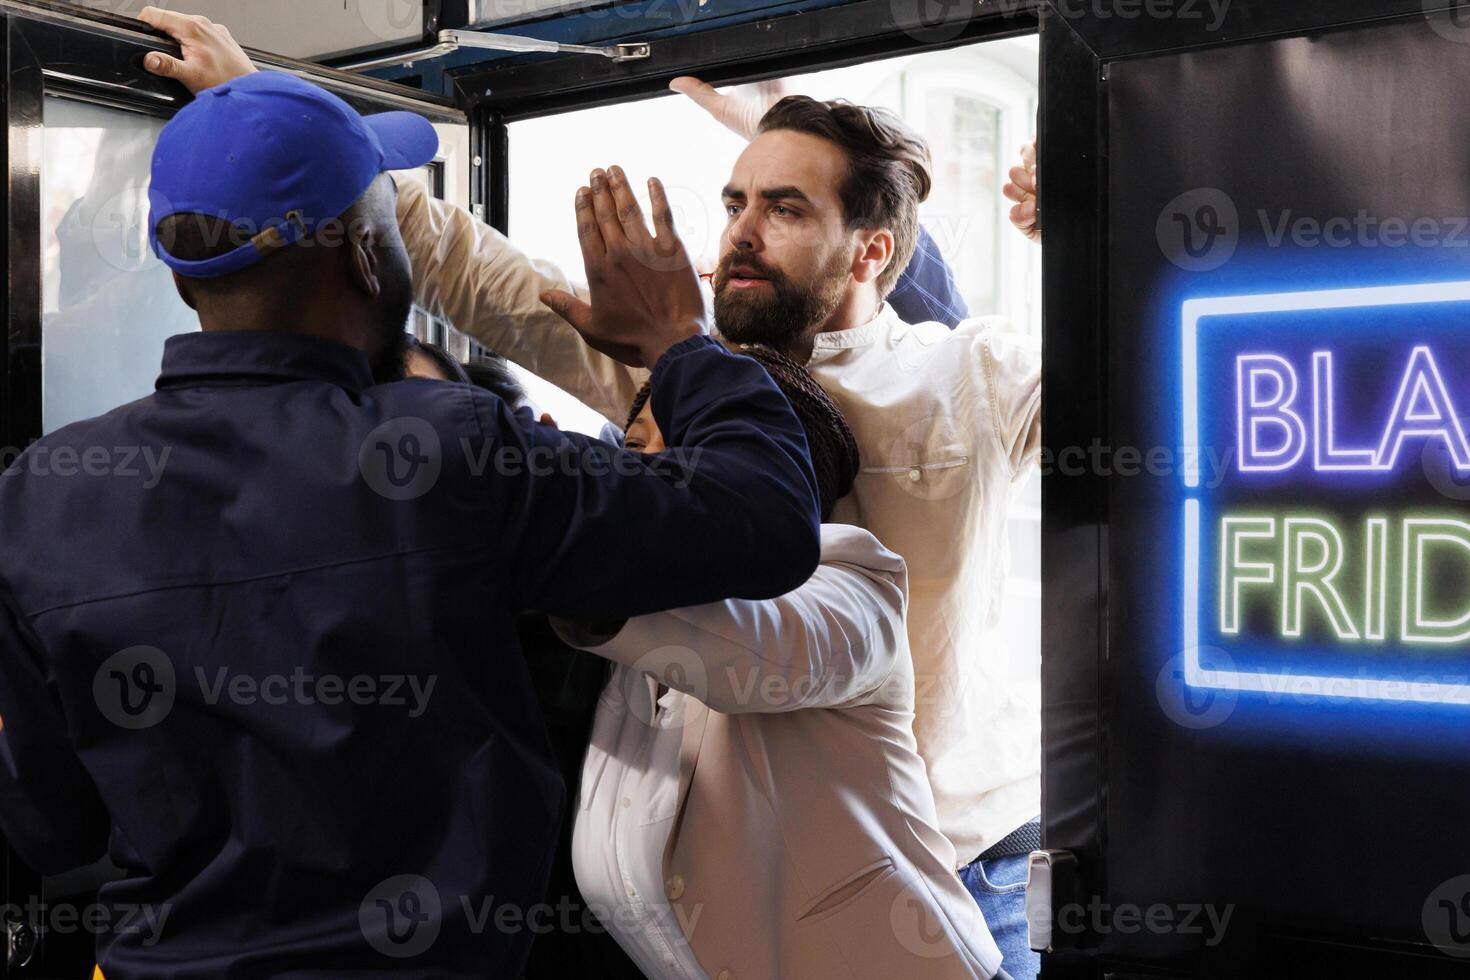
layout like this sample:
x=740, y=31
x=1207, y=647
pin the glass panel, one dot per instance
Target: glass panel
x=107, y=302
x=964, y=134
x=975, y=105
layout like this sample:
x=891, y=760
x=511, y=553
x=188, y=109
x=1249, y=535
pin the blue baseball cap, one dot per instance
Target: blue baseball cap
x=276, y=156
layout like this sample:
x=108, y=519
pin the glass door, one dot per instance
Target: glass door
x=89, y=306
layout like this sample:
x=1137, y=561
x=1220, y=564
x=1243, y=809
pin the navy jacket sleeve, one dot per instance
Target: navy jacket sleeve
x=926, y=290
x=49, y=807
x=729, y=512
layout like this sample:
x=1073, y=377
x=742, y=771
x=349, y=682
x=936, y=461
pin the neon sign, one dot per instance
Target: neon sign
x=1324, y=557
x=1422, y=408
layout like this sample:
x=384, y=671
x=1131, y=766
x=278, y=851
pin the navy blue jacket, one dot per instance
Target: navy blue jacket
x=257, y=639
x=926, y=290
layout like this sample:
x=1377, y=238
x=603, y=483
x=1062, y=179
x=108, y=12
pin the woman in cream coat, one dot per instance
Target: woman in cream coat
x=752, y=803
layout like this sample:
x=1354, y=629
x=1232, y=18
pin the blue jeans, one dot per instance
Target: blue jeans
x=999, y=888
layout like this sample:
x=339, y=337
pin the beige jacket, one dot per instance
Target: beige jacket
x=805, y=843
x=947, y=421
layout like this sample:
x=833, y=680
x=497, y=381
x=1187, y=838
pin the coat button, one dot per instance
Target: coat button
x=675, y=886
x=725, y=975
x=915, y=475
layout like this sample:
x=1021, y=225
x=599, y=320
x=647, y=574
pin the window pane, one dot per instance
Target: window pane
x=107, y=302
x=963, y=210
x=975, y=105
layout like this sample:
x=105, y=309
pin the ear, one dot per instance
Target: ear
x=874, y=252
x=185, y=293
x=362, y=260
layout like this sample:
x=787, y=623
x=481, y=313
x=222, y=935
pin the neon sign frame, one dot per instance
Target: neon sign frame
x=1196, y=674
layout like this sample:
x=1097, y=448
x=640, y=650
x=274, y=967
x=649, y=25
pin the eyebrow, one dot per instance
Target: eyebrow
x=786, y=193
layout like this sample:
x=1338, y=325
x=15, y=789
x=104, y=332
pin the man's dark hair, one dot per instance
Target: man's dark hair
x=888, y=168
x=494, y=375
x=200, y=237
x=196, y=237
x=443, y=360
x=833, y=447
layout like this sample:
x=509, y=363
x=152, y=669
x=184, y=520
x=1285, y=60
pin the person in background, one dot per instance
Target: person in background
x=314, y=530
x=823, y=219
x=492, y=372
x=570, y=940
x=1023, y=188
x=425, y=359
x=753, y=803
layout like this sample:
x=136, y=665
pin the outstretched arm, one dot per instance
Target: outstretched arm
x=832, y=642
x=609, y=533
x=464, y=270
x=471, y=275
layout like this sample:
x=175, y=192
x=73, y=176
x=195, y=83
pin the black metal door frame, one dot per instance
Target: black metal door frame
x=776, y=46
x=54, y=49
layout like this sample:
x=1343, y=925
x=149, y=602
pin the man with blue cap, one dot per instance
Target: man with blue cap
x=262, y=684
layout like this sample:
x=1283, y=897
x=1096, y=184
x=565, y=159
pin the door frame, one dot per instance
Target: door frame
x=772, y=47
x=56, y=49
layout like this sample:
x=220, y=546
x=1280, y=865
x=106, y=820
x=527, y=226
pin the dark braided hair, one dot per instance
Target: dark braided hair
x=833, y=448
x=639, y=400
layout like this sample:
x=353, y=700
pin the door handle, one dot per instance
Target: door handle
x=1051, y=879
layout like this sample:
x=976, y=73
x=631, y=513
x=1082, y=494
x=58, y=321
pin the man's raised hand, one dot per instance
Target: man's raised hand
x=1022, y=188
x=211, y=56
x=644, y=294
x=740, y=112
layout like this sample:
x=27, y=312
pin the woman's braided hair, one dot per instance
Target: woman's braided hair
x=833, y=448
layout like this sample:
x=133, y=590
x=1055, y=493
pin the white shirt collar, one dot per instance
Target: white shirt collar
x=886, y=322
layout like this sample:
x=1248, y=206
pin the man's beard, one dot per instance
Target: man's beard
x=783, y=315
x=394, y=306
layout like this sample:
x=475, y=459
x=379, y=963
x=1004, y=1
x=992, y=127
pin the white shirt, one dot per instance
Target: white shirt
x=948, y=423
x=629, y=792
